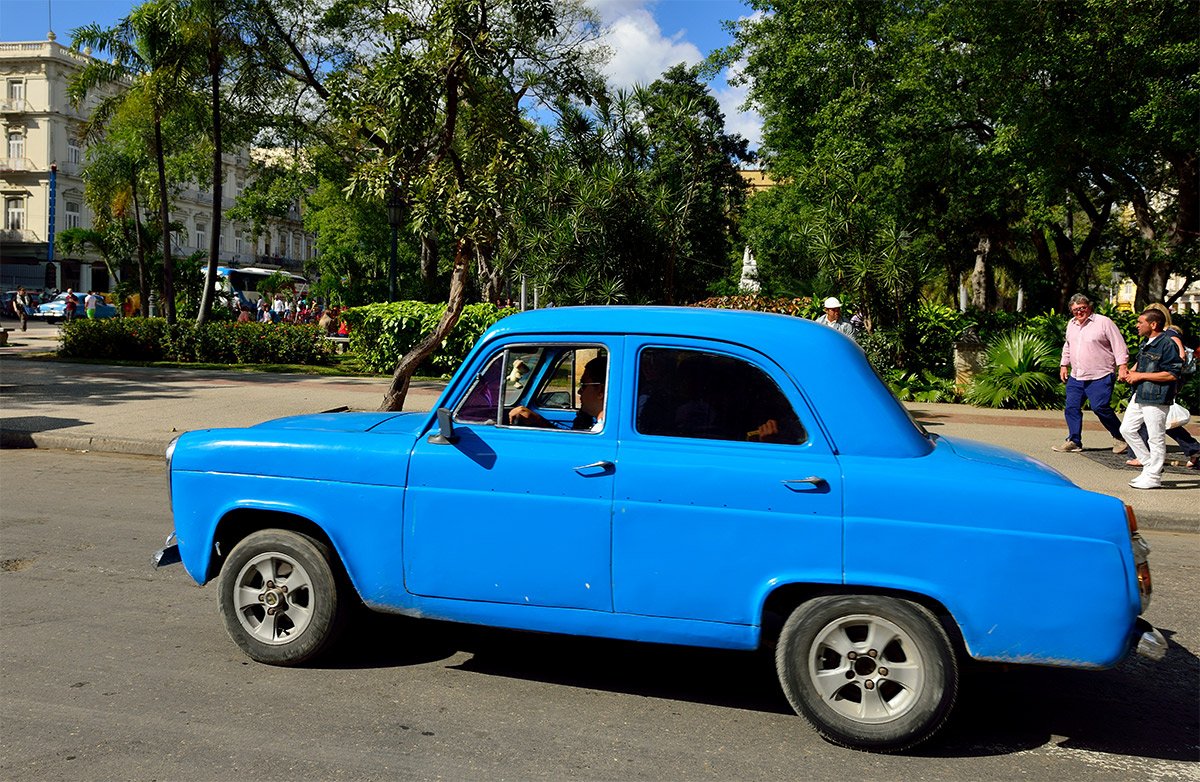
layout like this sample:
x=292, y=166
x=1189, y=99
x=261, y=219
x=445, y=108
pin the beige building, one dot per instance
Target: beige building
x=42, y=164
x=1126, y=294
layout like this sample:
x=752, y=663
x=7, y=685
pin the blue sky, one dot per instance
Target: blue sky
x=646, y=36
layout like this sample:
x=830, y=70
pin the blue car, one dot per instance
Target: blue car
x=682, y=476
x=55, y=310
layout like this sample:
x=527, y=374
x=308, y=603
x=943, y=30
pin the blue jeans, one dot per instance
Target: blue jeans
x=1099, y=396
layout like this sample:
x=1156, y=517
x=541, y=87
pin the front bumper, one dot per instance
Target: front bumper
x=168, y=554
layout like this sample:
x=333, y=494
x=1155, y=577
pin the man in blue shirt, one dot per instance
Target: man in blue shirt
x=1157, y=369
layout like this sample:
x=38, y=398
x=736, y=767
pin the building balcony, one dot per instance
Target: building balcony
x=19, y=235
x=14, y=106
x=16, y=164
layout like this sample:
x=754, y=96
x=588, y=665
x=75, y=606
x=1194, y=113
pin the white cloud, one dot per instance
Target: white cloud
x=640, y=51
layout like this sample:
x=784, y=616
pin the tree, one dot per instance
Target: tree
x=1000, y=131
x=433, y=109
x=149, y=64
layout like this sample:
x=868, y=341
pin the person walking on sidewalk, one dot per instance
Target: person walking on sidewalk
x=1159, y=366
x=1189, y=444
x=22, y=305
x=1091, y=355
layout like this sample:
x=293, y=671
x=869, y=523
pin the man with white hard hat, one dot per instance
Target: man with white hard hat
x=833, y=317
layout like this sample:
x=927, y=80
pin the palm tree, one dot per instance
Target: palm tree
x=148, y=63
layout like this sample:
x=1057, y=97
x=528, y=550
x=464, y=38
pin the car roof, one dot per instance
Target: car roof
x=861, y=415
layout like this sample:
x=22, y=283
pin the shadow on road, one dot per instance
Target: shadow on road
x=1140, y=709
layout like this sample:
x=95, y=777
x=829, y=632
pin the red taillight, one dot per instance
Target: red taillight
x=1145, y=587
x=1131, y=519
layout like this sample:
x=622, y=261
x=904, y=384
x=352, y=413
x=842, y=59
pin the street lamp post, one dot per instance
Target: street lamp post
x=395, y=212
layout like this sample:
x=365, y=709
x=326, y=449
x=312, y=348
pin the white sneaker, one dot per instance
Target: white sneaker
x=1144, y=482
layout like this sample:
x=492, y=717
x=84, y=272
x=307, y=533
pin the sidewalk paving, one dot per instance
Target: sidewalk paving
x=138, y=410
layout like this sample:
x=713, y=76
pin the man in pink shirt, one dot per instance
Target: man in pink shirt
x=1093, y=357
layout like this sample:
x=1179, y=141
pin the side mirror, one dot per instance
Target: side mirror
x=445, y=433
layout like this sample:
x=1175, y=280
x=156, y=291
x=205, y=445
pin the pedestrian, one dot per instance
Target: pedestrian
x=1158, y=368
x=833, y=317
x=22, y=304
x=89, y=304
x=1189, y=445
x=70, y=304
x=1091, y=354
x=264, y=312
x=278, y=307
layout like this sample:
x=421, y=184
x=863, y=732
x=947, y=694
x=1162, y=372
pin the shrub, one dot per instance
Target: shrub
x=380, y=334
x=151, y=339
x=1017, y=374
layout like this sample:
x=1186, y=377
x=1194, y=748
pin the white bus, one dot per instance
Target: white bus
x=242, y=284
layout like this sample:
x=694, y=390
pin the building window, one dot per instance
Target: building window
x=201, y=235
x=16, y=144
x=72, y=210
x=16, y=90
x=237, y=243
x=14, y=213
x=74, y=151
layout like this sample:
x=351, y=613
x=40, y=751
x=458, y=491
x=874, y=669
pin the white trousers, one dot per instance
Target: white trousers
x=1153, y=452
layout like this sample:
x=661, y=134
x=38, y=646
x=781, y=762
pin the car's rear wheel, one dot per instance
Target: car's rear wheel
x=280, y=597
x=868, y=671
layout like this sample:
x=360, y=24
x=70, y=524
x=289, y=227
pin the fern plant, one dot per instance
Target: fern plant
x=1019, y=374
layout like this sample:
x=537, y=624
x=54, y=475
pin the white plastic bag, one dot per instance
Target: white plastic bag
x=1177, y=415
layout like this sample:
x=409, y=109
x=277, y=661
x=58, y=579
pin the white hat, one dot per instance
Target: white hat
x=832, y=303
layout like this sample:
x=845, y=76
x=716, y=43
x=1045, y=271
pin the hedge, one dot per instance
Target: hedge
x=152, y=339
x=380, y=334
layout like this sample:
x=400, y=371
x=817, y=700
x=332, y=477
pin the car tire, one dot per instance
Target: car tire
x=281, y=598
x=867, y=671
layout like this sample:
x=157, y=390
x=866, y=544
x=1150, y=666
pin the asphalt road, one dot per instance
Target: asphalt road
x=111, y=670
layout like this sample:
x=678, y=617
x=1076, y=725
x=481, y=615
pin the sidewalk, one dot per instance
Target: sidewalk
x=138, y=410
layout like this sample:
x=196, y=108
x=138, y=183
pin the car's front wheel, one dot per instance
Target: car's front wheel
x=280, y=597
x=868, y=671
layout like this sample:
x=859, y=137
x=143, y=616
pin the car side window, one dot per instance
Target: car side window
x=701, y=395
x=542, y=386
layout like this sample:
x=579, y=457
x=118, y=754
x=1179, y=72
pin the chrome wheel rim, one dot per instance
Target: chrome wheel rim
x=866, y=668
x=273, y=598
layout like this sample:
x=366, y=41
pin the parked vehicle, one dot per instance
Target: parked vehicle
x=55, y=310
x=242, y=284
x=701, y=477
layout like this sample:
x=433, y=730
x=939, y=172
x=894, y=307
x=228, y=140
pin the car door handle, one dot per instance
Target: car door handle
x=806, y=484
x=595, y=468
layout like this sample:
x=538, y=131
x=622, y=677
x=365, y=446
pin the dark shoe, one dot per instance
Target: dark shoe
x=1068, y=447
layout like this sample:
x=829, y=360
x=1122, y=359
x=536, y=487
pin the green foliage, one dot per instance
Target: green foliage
x=1020, y=373
x=153, y=339
x=382, y=333
x=923, y=386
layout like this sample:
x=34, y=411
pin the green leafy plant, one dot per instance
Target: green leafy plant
x=1018, y=374
x=382, y=333
x=153, y=339
x=923, y=386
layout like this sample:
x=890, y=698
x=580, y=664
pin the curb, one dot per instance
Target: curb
x=15, y=439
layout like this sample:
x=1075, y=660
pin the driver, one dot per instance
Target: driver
x=590, y=417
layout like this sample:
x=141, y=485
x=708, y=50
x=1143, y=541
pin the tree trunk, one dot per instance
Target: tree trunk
x=429, y=265
x=214, y=241
x=394, y=400
x=168, y=270
x=981, y=275
x=143, y=282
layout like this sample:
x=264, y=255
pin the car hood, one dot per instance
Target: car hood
x=338, y=422
x=1027, y=467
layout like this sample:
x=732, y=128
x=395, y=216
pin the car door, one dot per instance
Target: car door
x=711, y=508
x=510, y=514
